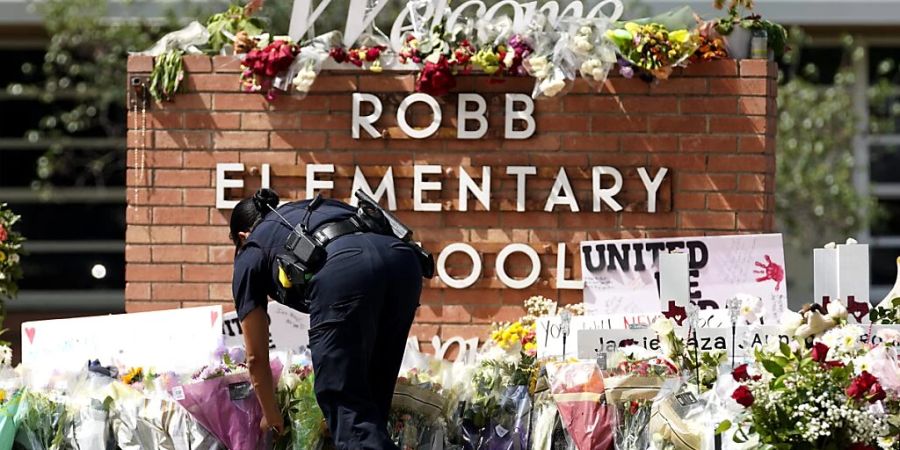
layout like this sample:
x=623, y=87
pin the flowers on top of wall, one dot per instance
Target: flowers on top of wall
x=10, y=253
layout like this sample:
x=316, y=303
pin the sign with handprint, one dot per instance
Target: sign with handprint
x=622, y=276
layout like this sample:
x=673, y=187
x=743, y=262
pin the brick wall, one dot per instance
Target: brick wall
x=712, y=125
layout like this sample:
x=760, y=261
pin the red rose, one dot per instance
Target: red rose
x=436, y=79
x=819, y=352
x=876, y=393
x=338, y=54
x=372, y=54
x=743, y=396
x=740, y=373
x=834, y=364
x=3, y=234
x=861, y=385
x=634, y=407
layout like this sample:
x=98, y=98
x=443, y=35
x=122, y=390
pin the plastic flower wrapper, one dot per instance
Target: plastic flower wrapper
x=89, y=408
x=222, y=401
x=262, y=66
x=593, y=54
x=547, y=430
x=658, y=44
x=303, y=416
x=552, y=65
x=678, y=419
x=10, y=392
x=302, y=73
x=419, y=385
x=577, y=388
x=42, y=420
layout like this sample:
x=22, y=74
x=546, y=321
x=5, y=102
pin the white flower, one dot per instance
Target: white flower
x=607, y=54
x=790, y=321
x=583, y=45
x=663, y=326
x=552, y=86
x=851, y=241
x=304, y=80
x=509, y=59
x=14, y=258
x=585, y=31
x=843, y=341
x=837, y=311
x=751, y=307
x=5, y=356
x=831, y=246
x=2, y=276
x=540, y=67
x=636, y=352
x=886, y=442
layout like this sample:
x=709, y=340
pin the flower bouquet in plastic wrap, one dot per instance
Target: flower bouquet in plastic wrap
x=593, y=54
x=10, y=392
x=42, y=421
x=306, y=66
x=656, y=45
x=578, y=390
x=679, y=420
x=553, y=65
x=301, y=412
x=89, y=407
x=631, y=386
x=417, y=419
x=547, y=429
x=222, y=400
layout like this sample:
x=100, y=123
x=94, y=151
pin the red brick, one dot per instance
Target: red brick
x=748, y=221
x=332, y=121
x=183, y=139
x=752, y=183
x=648, y=220
x=212, y=83
x=221, y=291
x=297, y=140
x=721, y=68
x=180, y=291
x=679, y=86
x=137, y=253
x=708, y=105
x=753, y=106
x=591, y=104
x=708, y=144
x=179, y=253
x=206, y=273
x=465, y=331
x=618, y=123
x=626, y=86
x=591, y=143
x=738, y=125
x=221, y=254
x=649, y=143
x=153, y=272
x=752, y=144
x=165, y=234
x=707, y=220
x=387, y=83
x=677, y=124
x=212, y=121
x=663, y=104
x=679, y=162
x=182, y=178
x=754, y=68
x=423, y=332
x=154, y=196
x=178, y=215
x=226, y=64
x=335, y=83
x=185, y=101
x=492, y=314
x=209, y=159
x=137, y=234
x=735, y=202
x=706, y=182
x=158, y=119
x=240, y=140
x=731, y=163
x=132, y=307
x=738, y=86
x=689, y=200
x=270, y=121
x=240, y=102
x=565, y=123
x=136, y=291
x=196, y=64
x=205, y=235
x=140, y=64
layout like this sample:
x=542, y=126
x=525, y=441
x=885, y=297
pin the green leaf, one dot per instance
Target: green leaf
x=724, y=426
x=773, y=367
x=785, y=350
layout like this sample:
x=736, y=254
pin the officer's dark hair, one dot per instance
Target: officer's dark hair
x=249, y=212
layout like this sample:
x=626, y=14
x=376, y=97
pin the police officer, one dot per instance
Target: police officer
x=362, y=302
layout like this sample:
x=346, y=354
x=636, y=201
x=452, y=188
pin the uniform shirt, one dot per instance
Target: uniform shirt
x=255, y=268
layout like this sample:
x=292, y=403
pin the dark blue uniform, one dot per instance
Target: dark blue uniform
x=362, y=304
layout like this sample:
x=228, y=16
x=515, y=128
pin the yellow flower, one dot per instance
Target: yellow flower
x=132, y=376
x=632, y=27
x=2, y=256
x=376, y=67
x=2, y=395
x=680, y=36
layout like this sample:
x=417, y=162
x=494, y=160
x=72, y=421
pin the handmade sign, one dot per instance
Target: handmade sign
x=177, y=339
x=549, y=328
x=853, y=279
x=825, y=279
x=288, y=328
x=621, y=276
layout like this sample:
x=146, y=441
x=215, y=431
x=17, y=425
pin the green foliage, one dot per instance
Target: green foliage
x=167, y=75
x=10, y=253
x=886, y=315
x=233, y=20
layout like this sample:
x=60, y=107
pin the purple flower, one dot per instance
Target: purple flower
x=220, y=352
x=626, y=71
x=237, y=355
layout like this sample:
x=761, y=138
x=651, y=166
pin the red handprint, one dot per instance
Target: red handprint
x=771, y=271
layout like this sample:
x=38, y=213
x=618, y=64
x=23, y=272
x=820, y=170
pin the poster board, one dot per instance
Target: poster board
x=621, y=276
x=288, y=328
x=178, y=339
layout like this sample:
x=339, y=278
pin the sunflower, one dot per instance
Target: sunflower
x=133, y=376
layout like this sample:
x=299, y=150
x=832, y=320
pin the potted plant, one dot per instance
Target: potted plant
x=731, y=27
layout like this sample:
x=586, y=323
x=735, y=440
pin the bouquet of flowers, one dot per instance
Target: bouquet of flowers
x=42, y=421
x=444, y=53
x=594, y=54
x=578, y=389
x=631, y=388
x=261, y=66
x=307, y=65
x=678, y=419
x=657, y=45
x=10, y=249
x=368, y=55
x=836, y=394
x=10, y=391
x=418, y=406
x=500, y=51
x=222, y=400
x=552, y=64
x=301, y=412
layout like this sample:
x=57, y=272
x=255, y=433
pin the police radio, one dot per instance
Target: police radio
x=305, y=250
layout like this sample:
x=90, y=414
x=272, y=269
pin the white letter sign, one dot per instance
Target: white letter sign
x=463, y=116
x=367, y=121
x=435, y=118
x=526, y=115
x=223, y=183
x=419, y=185
x=385, y=187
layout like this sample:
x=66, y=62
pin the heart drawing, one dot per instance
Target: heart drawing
x=30, y=333
x=213, y=315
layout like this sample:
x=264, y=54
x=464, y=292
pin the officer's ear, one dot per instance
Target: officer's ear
x=243, y=236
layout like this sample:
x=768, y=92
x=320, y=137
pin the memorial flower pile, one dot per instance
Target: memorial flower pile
x=302, y=414
x=10, y=253
x=261, y=66
x=653, y=47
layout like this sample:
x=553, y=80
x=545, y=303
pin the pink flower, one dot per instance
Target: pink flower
x=743, y=396
x=819, y=352
x=740, y=373
x=3, y=234
x=436, y=79
x=860, y=386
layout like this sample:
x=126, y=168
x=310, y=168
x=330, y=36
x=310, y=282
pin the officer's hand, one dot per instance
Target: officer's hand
x=276, y=425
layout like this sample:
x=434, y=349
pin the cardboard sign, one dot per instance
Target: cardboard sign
x=622, y=276
x=288, y=328
x=853, y=279
x=178, y=339
x=549, y=336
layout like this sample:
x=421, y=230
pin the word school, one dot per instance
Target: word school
x=561, y=193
